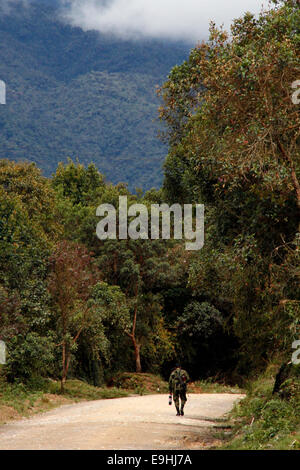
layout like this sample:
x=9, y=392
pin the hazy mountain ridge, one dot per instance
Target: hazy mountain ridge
x=77, y=94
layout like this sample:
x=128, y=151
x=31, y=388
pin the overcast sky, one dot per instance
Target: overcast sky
x=169, y=19
x=172, y=19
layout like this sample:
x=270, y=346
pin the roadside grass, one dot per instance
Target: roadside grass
x=18, y=397
x=209, y=386
x=140, y=383
x=79, y=390
x=144, y=383
x=22, y=400
x=263, y=421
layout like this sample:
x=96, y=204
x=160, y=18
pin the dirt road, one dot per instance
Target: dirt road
x=142, y=422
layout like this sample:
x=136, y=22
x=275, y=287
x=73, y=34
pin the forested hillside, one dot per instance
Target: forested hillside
x=82, y=95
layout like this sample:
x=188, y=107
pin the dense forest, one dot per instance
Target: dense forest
x=74, y=306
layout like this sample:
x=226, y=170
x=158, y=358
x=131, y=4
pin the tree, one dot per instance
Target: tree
x=77, y=183
x=30, y=356
x=201, y=338
x=229, y=110
x=143, y=269
x=109, y=320
x=79, y=191
x=233, y=132
x=25, y=182
x=72, y=275
x=24, y=250
x=132, y=265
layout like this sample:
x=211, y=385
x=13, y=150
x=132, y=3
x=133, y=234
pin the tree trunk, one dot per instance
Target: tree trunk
x=63, y=376
x=62, y=384
x=66, y=356
x=137, y=348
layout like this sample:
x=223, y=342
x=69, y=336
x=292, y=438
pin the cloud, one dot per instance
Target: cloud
x=171, y=19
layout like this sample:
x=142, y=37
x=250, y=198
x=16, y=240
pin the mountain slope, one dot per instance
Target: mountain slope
x=82, y=95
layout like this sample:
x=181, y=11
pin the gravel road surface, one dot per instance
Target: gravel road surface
x=139, y=423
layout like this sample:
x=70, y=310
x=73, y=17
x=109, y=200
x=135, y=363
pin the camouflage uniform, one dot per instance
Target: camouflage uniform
x=177, y=387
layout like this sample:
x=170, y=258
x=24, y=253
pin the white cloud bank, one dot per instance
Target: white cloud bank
x=171, y=19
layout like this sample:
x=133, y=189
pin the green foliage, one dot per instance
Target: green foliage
x=30, y=356
x=99, y=343
x=229, y=110
x=203, y=342
x=200, y=321
x=24, y=183
x=88, y=302
x=26, y=230
x=265, y=421
x=233, y=134
x=77, y=184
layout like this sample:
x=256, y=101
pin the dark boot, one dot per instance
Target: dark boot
x=181, y=411
x=178, y=412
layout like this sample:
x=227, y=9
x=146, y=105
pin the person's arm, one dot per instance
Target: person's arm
x=186, y=377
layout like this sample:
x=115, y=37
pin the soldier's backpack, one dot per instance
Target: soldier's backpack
x=178, y=381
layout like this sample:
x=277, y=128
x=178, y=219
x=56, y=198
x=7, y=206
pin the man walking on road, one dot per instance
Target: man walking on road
x=178, y=381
